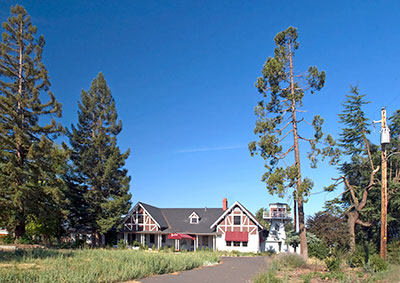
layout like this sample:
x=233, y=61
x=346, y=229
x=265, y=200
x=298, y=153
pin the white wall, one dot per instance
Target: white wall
x=253, y=245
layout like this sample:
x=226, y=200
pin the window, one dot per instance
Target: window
x=152, y=238
x=236, y=220
x=228, y=243
x=194, y=218
x=236, y=244
x=244, y=244
x=163, y=238
x=140, y=218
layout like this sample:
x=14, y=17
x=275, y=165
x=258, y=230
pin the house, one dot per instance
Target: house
x=233, y=228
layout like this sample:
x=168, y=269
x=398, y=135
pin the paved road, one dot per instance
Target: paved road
x=232, y=270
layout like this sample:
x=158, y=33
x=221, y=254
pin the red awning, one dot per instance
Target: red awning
x=179, y=236
x=237, y=236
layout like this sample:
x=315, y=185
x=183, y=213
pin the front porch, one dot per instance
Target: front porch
x=159, y=241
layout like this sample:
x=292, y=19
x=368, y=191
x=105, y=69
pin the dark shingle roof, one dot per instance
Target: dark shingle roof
x=156, y=213
x=178, y=219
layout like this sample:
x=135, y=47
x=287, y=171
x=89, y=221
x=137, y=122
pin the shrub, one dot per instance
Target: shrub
x=358, y=258
x=153, y=247
x=333, y=263
x=377, y=264
x=291, y=260
x=136, y=244
x=394, y=252
x=318, y=250
x=8, y=239
x=166, y=248
x=121, y=244
x=25, y=240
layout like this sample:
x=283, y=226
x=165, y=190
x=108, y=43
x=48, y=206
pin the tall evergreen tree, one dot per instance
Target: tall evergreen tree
x=278, y=119
x=360, y=173
x=98, y=160
x=29, y=183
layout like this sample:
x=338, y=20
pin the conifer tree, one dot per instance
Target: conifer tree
x=98, y=160
x=283, y=90
x=29, y=183
x=359, y=174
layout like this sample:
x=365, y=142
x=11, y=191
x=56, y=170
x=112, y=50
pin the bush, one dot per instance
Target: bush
x=121, y=245
x=333, y=263
x=361, y=254
x=394, y=252
x=26, y=240
x=291, y=260
x=8, y=239
x=136, y=244
x=377, y=264
x=153, y=247
x=318, y=250
x=358, y=258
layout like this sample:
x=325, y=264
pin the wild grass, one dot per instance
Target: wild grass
x=293, y=268
x=94, y=265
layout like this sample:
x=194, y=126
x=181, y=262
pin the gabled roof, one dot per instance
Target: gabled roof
x=154, y=212
x=249, y=214
x=179, y=222
x=176, y=220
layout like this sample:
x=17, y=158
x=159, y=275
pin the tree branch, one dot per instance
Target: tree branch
x=283, y=155
x=366, y=224
x=285, y=135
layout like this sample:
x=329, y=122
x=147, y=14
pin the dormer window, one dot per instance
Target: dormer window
x=194, y=218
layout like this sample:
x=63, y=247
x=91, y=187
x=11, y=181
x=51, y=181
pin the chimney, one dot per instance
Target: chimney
x=224, y=204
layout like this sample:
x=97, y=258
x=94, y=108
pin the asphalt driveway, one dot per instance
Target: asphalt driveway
x=232, y=270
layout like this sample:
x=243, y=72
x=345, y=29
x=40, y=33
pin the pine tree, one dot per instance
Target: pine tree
x=29, y=183
x=360, y=173
x=278, y=119
x=97, y=158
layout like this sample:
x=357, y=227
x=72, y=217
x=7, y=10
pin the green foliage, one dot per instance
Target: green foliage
x=331, y=228
x=285, y=94
x=26, y=240
x=318, y=249
x=377, y=264
x=393, y=250
x=333, y=263
x=98, y=160
x=259, y=216
x=30, y=162
x=153, y=247
x=121, y=244
x=8, y=239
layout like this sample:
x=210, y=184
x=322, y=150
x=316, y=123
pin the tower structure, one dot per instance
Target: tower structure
x=277, y=216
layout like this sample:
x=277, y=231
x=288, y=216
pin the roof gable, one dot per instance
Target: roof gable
x=245, y=210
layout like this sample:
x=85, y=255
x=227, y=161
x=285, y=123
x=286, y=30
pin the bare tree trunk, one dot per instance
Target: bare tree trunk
x=351, y=223
x=299, y=193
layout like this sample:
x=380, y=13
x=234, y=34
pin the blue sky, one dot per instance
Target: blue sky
x=183, y=72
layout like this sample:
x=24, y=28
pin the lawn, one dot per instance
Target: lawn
x=42, y=265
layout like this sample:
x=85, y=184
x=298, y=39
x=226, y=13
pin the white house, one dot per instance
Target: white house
x=233, y=228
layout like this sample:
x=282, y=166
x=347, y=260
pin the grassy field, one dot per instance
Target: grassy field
x=40, y=265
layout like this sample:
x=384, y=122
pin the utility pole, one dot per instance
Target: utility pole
x=385, y=139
